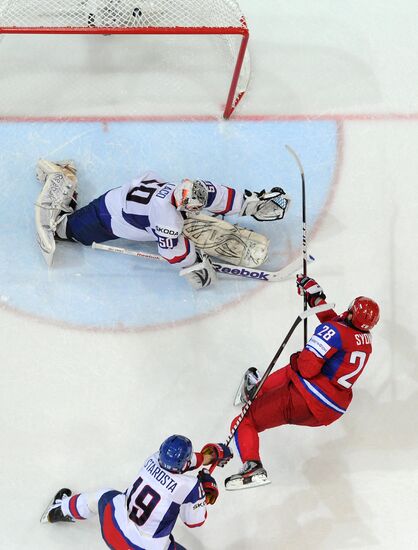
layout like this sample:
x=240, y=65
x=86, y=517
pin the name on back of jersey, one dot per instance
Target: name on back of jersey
x=363, y=338
x=160, y=475
x=166, y=190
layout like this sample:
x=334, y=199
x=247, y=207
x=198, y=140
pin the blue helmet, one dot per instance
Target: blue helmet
x=175, y=453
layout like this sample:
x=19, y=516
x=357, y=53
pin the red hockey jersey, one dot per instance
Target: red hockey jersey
x=330, y=363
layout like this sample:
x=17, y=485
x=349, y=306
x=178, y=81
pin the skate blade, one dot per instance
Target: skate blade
x=238, y=484
x=237, y=398
x=44, y=517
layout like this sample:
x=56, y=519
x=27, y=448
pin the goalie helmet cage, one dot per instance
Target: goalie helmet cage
x=136, y=17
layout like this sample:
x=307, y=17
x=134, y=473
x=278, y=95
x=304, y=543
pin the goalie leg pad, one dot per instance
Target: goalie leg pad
x=231, y=243
x=56, y=200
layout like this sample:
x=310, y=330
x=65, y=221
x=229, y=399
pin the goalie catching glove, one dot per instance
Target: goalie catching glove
x=209, y=485
x=313, y=291
x=201, y=274
x=221, y=454
x=265, y=206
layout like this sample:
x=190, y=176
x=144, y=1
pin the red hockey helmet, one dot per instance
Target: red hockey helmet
x=365, y=313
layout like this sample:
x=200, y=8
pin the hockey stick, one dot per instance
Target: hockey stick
x=304, y=315
x=304, y=243
x=226, y=269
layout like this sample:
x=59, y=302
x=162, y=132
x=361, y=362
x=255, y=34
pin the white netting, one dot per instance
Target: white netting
x=119, y=13
x=134, y=17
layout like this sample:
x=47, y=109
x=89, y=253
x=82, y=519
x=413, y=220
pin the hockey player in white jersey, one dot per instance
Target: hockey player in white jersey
x=152, y=209
x=143, y=517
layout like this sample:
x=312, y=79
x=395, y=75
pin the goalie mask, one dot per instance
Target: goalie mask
x=190, y=196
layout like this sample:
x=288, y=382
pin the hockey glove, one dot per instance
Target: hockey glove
x=294, y=361
x=313, y=291
x=209, y=485
x=201, y=274
x=265, y=206
x=221, y=453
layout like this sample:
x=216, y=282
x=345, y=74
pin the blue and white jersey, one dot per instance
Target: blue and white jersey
x=156, y=499
x=144, y=210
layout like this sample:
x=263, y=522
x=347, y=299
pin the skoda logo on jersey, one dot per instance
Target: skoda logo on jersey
x=92, y=290
x=166, y=231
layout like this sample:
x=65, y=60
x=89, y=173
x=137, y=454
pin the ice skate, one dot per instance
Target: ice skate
x=56, y=200
x=53, y=513
x=252, y=474
x=247, y=387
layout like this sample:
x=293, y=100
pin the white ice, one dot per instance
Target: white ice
x=83, y=408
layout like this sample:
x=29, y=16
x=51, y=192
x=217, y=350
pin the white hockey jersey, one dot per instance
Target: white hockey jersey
x=156, y=499
x=144, y=210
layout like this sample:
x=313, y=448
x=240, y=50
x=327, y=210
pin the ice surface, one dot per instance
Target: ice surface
x=83, y=402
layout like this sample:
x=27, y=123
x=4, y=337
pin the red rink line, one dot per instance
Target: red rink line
x=211, y=118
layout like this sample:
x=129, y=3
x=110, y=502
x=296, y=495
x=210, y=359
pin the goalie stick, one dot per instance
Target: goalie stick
x=299, y=318
x=225, y=269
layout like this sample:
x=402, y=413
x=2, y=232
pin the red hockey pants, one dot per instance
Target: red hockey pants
x=278, y=403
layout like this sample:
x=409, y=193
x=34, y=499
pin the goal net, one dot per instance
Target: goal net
x=214, y=19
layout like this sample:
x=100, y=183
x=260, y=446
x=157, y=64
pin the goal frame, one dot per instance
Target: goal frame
x=232, y=99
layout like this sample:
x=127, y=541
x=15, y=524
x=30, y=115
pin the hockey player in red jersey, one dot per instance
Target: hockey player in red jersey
x=315, y=388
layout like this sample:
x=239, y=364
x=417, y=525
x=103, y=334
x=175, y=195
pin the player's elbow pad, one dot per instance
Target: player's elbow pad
x=309, y=365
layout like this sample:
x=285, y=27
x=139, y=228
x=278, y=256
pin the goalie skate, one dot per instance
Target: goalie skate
x=247, y=387
x=53, y=513
x=56, y=200
x=231, y=243
x=252, y=474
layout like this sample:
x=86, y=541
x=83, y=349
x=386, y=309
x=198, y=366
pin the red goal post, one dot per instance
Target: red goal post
x=136, y=17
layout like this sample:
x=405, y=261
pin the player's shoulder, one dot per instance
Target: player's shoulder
x=328, y=328
x=180, y=487
x=164, y=218
x=351, y=337
x=327, y=335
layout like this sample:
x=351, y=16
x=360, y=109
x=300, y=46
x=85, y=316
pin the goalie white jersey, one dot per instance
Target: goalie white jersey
x=145, y=210
x=151, y=209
